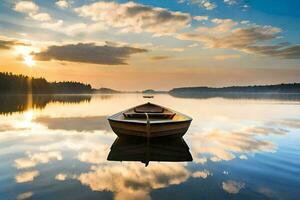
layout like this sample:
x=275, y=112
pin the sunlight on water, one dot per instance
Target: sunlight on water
x=27, y=120
x=241, y=148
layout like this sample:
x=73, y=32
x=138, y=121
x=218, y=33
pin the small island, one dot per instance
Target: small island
x=104, y=90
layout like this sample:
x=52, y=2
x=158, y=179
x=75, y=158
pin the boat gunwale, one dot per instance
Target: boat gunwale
x=112, y=117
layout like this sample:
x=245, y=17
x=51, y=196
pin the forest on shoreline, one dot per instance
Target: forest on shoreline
x=278, y=88
x=21, y=84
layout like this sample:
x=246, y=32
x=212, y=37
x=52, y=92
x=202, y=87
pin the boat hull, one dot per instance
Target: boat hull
x=154, y=130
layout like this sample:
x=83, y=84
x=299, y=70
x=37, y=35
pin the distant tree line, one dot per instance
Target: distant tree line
x=280, y=88
x=20, y=84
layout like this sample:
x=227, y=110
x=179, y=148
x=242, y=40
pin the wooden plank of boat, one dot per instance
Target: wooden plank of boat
x=167, y=149
x=149, y=120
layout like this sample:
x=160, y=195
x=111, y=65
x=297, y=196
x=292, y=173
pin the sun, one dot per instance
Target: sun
x=25, y=53
x=28, y=60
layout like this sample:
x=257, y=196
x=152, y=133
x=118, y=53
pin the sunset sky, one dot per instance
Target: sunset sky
x=158, y=44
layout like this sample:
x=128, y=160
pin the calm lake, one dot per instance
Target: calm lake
x=56, y=147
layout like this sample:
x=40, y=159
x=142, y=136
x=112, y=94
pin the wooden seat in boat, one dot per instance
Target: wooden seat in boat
x=150, y=111
x=150, y=115
x=148, y=108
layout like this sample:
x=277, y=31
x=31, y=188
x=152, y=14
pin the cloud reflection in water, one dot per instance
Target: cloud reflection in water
x=34, y=159
x=132, y=181
x=232, y=187
x=25, y=195
x=26, y=176
x=217, y=145
x=79, y=124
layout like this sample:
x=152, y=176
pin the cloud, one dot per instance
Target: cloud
x=26, y=176
x=53, y=25
x=243, y=157
x=232, y=187
x=230, y=2
x=47, y=22
x=290, y=52
x=247, y=39
x=31, y=9
x=89, y=53
x=245, y=22
x=221, y=26
x=193, y=45
x=83, y=28
x=8, y=44
x=159, y=57
x=206, y=4
x=133, y=17
x=200, y=18
x=25, y=195
x=290, y=123
x=26, y=7
x=245, y=7
x=43, y=17
x=34, y=159
x=62, y=4
x=226, y=57
x=176, y=49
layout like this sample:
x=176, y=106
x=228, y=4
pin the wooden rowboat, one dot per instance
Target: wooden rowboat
x=149, y=120
x=166, y=149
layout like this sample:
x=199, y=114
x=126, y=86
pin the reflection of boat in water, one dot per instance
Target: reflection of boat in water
x=148, y=96
x=166, y=149
x=149, y=120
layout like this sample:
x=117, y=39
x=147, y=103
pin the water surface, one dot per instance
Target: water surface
x=56, y=147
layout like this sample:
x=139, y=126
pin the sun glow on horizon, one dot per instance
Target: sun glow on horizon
x=28, y=60
x=25, y=53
